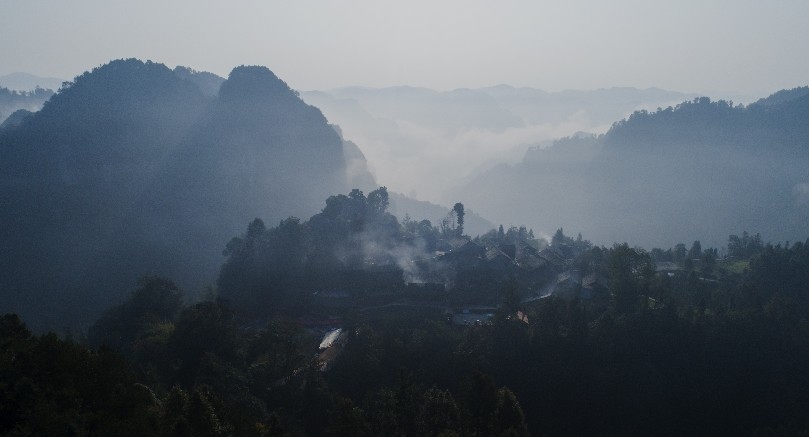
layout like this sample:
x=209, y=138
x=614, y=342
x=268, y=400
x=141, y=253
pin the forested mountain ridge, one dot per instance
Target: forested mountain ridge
x=664, y=342
x=21, y=81
x=783, y=96
x=433, y=332
x=659, y=178
x=411, y=134
x=208, y=83
x=12, y=101
x=132, y=169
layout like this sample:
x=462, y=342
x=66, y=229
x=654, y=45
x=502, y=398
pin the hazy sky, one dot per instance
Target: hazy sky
x=752, y=47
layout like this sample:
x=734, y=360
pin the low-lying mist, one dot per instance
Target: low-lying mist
x=423, y=142
x=701, y=170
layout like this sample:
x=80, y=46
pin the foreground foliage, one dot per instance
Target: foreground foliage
x=659, y=354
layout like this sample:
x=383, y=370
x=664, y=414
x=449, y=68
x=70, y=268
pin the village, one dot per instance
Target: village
x=470, y=281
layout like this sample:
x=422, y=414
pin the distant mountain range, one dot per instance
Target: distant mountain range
x=135, y=169
x=699, y=170
x=28, y=82
x=26, y=101
x=406, y=207
x=422, y=142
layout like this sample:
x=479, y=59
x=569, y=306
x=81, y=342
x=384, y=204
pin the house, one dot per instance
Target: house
x=470, y=316
x=567, y=251
x=569, y=278
x=530, y=261
x=499, y=263
x=568, y=284
x=525, y=249
x=594, y=284
x=554, y=257
x=444, y=246
x=667, y=268
x=469, y=254
x=510, y=250
x=535, y=272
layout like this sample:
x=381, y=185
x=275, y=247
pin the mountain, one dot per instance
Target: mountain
x=29, y=82
x=136, y=169
x=208, y=83
x=423, y=141
x=404, y=207
x=12, y=101
x=701, y=169
x=783, y=96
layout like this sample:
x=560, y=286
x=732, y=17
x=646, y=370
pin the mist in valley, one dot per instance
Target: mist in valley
x=699, y=169
x=411, y=219
x=133, y=170
x=425, y=142
x=649, y=166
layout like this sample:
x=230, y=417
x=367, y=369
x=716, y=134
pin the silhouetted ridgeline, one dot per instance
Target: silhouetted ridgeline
x=423, y=140
x=699, y=169
x=136, y=169
x=12, y=101
x=697, y=345
x=26, y=82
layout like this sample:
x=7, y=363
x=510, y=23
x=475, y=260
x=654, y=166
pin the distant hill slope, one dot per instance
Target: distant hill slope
x=784, y=96
x=208, y=83
x=402, y=206
x=12, y=101
x=135, y=169
x=422, y=140
x=700, y=170
x=28, y=82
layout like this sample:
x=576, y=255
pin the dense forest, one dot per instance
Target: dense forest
x=624, y=341
x=133, y=168
x=693, y=170
x=16, y=105
x=185, y=254
x=424, y=142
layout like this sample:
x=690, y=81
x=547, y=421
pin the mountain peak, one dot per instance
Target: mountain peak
x=248, y=82
x=207, y=82
x=120, y=85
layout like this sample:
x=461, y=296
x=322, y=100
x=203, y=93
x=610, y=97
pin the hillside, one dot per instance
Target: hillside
x=133, y=169
x=20, y=81
x=700, y=169
x=422, y=141
x=403, y=207
x=12, y=101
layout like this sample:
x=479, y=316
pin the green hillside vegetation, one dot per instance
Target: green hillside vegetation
x=658, y=177
x=12, y=101
x=136, y=186
x=649, y=351
x=629, y=348
x=133, y=169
